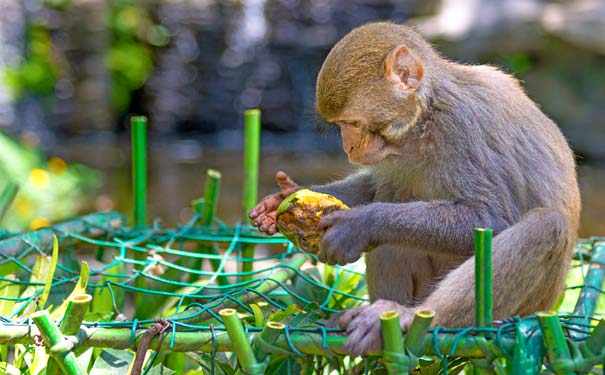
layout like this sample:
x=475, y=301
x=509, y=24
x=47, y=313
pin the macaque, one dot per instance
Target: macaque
x=443, y=148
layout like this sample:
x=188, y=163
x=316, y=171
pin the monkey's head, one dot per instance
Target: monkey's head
x=369, y=86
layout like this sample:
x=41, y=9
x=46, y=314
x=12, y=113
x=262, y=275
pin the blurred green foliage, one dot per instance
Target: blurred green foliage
x=38, y=72
x=129, y=57
x=49, y=189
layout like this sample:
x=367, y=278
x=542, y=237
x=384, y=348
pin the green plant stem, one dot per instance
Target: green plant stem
x=208, y=210
x=414, y=337
x=250, y=192
x=269, y=335
x=53, y=336
x=392, y=338
x=593, y=282
x=7, y=196
x=77, y=307
x=554, y=339
x=139, y=169
x=483, y=277
x=596, y=341
x=239, y=340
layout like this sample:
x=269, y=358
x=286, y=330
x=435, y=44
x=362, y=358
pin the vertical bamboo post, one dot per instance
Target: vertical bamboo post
x=414, y=337
x=7, y=197
x=53, y=337
x=392, y=338
x=239, y=341
x=250, y=191
x=139, y=169
x=483, y=277
x=593, y=281
x=77, y=307
x=554, y=339
x=207, y=210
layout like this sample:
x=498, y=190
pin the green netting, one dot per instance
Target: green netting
x=187, y=274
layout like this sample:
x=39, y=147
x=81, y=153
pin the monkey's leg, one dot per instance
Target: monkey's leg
x=530, y=261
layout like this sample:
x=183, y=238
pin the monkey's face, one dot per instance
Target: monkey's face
x=373, y=111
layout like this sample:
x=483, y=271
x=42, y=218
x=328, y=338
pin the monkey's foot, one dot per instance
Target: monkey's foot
x=363, y=325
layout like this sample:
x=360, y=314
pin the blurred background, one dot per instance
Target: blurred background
x=73, y=71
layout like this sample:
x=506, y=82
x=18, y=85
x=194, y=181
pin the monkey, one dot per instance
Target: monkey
x=442, y=148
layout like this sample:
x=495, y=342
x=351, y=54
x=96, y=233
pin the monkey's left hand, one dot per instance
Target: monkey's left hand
x=348, y=235
x=362, y=325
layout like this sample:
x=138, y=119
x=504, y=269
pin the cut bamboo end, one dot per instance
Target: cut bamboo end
x=276, y=325
x=425, y=314
x=214, y=173
x=252, y=112
x=81, y=298
x=227, y=312
x=388, y=315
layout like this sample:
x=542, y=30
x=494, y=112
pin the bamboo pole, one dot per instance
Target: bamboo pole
x=414, y=337
x=554, y=339
x=269, y=336
x=7, y=197
x=250, y=192
x=483, y=277
x=54, y=339
x=77, y=307
x=392, y=338
x=139, y=169
x=593, y=282
x=239, y=341
x=208, y=210
x=306, y=342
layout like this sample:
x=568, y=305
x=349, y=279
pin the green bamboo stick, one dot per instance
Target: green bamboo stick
x=554, y=339
x=7, y=197
x=77, y=307
x=54, y=340
x=483, y=277
x=308, y=343
x=139, y=169
x=392, y=338
x=269, y=336
x=593, y=281
x=414, y=337
x=239, y=340
x=208, y=211
x=250, y=192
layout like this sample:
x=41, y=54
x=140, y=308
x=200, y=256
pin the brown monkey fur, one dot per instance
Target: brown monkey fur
x=443, y=148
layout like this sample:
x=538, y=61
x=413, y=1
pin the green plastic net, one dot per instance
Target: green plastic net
x=186, y=275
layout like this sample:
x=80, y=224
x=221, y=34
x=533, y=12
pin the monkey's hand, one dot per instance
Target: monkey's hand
x=264, y=214
x=362, y=325
x=348, y=235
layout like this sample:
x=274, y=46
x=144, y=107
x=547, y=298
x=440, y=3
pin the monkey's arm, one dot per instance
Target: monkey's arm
x=354, y=190
x=434, y=226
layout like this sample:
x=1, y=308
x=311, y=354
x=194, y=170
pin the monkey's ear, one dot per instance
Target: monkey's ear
x=403, y=68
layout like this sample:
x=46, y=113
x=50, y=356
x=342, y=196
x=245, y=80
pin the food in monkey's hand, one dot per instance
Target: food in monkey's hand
x=299, y=214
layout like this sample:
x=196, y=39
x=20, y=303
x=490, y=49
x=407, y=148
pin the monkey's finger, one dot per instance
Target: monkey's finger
x=285, y=183
x=328, y=220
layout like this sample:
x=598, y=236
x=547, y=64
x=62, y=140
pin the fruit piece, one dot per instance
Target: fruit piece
x=299, y=214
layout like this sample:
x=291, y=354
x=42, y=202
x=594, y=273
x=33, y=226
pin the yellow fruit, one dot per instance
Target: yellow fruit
x=299, y=214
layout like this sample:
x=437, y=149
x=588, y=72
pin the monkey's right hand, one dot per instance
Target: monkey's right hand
x=264, y=214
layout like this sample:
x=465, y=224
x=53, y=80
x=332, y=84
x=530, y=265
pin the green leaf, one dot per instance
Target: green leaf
x=259, y=318
x=80, y=288
x=8, y=369
x=160, y=369
x=41, y=269
x=50, y=274
x=85, y=358
x=8, y=289
x=112, y=361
